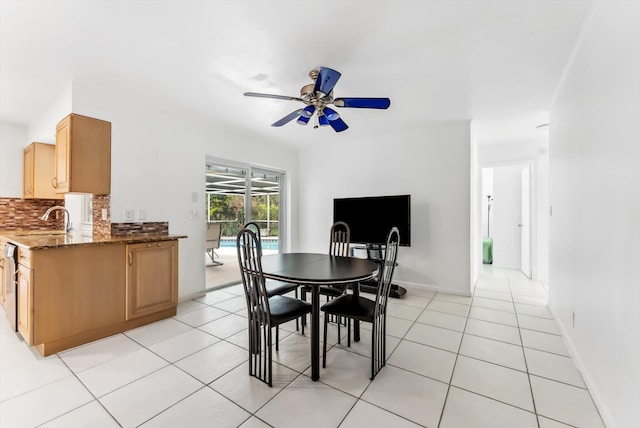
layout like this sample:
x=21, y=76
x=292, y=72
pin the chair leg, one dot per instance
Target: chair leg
x=349, y=332
x=277, y=336
x=324, y=345
x=338, y=331
x=373, y=350
x=303, y=297
x=297, y=325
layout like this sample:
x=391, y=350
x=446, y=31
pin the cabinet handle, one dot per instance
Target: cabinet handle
x=159, y=244
x=1, y=263
x=54, y=182
x=130, y=258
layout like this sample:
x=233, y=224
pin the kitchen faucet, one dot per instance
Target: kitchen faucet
x=45, y=216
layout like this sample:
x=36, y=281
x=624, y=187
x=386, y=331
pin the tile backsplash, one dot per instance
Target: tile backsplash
x=100, y=226
x=24, y=214
x=143, y=229
x=18, y=213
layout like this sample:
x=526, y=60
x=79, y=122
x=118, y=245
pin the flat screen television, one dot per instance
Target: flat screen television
x=371, y=218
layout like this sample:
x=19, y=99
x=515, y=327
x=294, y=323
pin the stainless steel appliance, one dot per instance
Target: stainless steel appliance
x=11, y=284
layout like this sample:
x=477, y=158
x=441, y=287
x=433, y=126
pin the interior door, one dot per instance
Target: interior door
x=525, y=222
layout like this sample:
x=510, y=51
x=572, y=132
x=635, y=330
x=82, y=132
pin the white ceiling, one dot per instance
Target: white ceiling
x=497, y=62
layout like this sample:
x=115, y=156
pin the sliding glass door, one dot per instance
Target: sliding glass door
x=236, y=194
x=265, y=207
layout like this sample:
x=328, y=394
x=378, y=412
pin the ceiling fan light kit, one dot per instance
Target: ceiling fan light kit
x=317, y=96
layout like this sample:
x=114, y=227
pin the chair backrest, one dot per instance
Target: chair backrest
x=340, y=239
x=249, y=260
x=213, y=235
x=253, y=226
x=384, y=281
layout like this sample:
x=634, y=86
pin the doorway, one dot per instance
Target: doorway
x=236, y=193
x=507, y=198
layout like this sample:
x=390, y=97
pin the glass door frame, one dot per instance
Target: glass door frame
x=249, y=170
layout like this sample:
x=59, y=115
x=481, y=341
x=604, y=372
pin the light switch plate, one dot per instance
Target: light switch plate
x=128, y=215
x=105, y=214
x=142, y=214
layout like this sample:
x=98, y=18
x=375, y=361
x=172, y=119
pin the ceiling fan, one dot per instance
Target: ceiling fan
x=318, y=96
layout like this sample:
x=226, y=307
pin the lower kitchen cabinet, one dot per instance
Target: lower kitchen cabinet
x=71, y=295
x=3, y=264
x=152, y=277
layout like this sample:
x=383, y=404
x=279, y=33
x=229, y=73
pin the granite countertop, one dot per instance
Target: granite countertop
x=42, y=239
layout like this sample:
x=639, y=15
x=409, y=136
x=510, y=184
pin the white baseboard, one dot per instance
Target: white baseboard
x=428, y=287
x=595, y=395
x=192, y=296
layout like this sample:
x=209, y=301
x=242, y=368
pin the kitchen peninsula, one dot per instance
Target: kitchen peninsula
x=74, y=288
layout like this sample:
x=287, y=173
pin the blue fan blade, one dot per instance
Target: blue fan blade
x=322, y=120
x=308, y=111
x=381, y=103
x=288, y=118
x=327, y=79
x=331, y=114
x=338, y=125
x=303, y=120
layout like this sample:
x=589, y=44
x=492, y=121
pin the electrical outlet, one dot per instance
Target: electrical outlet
x=142, y=214
x=128, y=215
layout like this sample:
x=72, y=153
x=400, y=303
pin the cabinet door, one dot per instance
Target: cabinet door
x=63, y=150
x=152, y=277
x=3, y=261
x=27, y=191
x=39, y=172
x=25, y=315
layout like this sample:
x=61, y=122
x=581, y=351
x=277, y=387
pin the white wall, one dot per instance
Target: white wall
x=595, y=194
x=432, y=164
x=158, y=159
x=475, y=215
x=43, y=128
x=15, y=137
x=13, y=140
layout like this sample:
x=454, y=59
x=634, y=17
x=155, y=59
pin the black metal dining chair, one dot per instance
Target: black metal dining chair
x=264, y=312
x=339, y=241
x=372, y=311
x=275, y=288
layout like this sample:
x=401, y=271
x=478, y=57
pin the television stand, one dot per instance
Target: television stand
x=372, y=287
x=375, y=253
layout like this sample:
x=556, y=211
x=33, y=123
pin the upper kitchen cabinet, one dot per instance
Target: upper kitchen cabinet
x=83, y=155
x=39, y=164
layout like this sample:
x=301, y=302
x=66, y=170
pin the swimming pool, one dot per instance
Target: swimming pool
x=267, y=243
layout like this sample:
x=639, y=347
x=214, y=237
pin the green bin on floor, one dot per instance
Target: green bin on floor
x=487, y=250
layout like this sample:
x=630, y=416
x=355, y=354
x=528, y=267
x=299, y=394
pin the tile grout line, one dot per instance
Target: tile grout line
x=455, y=363
x=96, y=399
x=524, y=356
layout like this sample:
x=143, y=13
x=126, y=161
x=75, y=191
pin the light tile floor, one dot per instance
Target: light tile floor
x=492, y=360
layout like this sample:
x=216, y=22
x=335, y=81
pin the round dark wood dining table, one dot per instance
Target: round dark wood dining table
x=316, y=270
